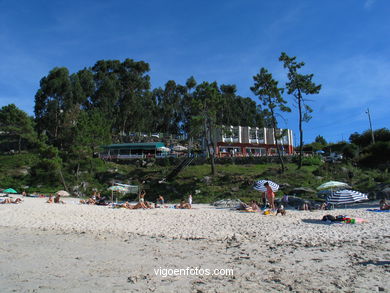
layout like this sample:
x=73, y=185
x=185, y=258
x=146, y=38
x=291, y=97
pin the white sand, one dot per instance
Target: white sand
x=72, y=247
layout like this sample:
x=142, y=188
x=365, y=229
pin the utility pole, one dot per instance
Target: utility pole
x=369, y=119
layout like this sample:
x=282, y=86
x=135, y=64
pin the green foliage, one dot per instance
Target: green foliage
x=376, y=155
x=266, y=88
x=17, y=128
x=364, y=139
x=299, y=86
x=312, y=161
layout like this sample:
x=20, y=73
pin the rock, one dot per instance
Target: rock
x=197, y=191
x=207, y=180
x=235, y=188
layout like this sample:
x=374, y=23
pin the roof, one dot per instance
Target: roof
x=135, y=146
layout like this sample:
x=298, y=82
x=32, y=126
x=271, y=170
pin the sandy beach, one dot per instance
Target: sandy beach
x=81, y=248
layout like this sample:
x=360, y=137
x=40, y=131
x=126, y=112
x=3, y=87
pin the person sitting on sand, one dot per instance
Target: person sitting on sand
x=253, y=206
x=183, y=205
x=281, y=210
x=50, y=200
x=383, y=205
x=10, y=200
x=57, y=199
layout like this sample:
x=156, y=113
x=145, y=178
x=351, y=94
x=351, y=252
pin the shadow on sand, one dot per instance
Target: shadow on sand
x=315, y=221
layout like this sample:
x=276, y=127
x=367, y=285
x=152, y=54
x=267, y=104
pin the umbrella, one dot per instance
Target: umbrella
x=179, y=148
x=346, y=196
x=259, y=185
x=164, y=149
x=9, y=190
x=332, y=185
x=118, y=188
x=63, y=193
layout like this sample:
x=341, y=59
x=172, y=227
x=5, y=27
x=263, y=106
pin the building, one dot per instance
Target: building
x=252, y=141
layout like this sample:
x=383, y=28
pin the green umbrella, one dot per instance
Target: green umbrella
x=332, y=185
x=9, y=190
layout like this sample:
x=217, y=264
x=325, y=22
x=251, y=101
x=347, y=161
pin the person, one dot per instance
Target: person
x=304, y=207
x=57, y=199
x=324, y=206
x=141, y=200
x=24, y=193
x=190, y=199
x=10, y=200
x=383, y=205
x=183, y=205
x=50, y=200
x=281, y=210
x=270, y=196
x=160, y=200
x=285, y=199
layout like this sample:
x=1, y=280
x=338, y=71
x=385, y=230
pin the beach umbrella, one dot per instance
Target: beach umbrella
x=346, y=196
x=62, y=193
x=179, y=148
x=118, y=188
x=10, y=190
x=332, y=185
x=164, y=149
x=259, y=185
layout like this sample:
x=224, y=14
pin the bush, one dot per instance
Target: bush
x=312, y=161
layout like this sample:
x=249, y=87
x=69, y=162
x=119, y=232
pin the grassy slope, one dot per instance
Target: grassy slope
x=233, y=181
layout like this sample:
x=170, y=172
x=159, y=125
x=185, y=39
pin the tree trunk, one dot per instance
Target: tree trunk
x=276, y=141
x=62, y=179
x=211, y=155
x=20, y=144
x=300, y=129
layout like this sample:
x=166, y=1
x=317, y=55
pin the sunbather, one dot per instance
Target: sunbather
x=383, y=205
x=183, y=205
x=50, y=200
x=10, y=200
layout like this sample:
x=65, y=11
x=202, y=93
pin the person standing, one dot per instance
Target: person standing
x=190, y=199
x=270, y=195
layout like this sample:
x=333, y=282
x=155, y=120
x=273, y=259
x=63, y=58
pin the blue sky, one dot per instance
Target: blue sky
x=345, y=44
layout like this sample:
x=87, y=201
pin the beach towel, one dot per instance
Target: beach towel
x=378, y=211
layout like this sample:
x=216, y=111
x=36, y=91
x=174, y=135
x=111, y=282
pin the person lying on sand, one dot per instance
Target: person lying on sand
x=183, y=205
x=383, y=205
x=10, y=200
x=88, y=201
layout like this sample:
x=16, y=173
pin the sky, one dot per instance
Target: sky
x=345, y=44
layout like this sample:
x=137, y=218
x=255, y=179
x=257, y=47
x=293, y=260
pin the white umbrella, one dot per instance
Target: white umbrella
x=346, y=196
x=259, y=185
x=164, y=149
x=118, y=188
x=179, y=148
x=63, y=193
x=332, y=185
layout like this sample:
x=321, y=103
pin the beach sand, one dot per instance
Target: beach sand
x=80, y=248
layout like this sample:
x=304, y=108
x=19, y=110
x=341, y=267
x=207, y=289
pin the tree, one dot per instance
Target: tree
x=17, y=127
x=321, y=140
x=205, y=103
x=299, y=86
x=266, y=88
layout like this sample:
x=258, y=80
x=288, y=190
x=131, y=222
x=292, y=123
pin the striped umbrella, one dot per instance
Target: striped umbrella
x=346, y=196
x=259, y=185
